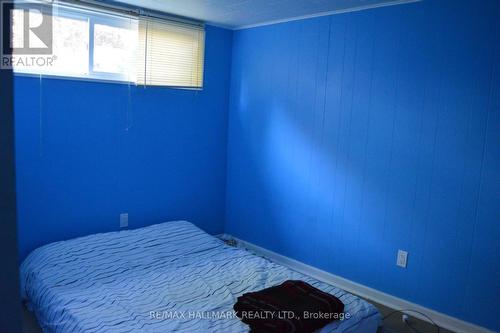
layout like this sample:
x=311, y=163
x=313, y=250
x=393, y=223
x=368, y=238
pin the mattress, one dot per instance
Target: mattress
x=169, y=277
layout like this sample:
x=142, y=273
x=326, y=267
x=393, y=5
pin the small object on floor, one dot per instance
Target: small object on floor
x=230, y=242
x=406, y=319
x=293, y=306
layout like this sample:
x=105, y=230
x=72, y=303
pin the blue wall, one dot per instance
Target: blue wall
x=78, y=167
x=355, y=135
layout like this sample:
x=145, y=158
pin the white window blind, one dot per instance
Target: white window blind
x=170, y=53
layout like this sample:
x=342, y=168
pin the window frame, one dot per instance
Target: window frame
x=112, y=22
x=103, y=17
x=92, y=17
x=59, y=12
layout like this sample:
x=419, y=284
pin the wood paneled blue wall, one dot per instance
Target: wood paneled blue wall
x=88, y=151
x=354, y=135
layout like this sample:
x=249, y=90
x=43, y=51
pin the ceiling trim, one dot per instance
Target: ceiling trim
x=331, y=12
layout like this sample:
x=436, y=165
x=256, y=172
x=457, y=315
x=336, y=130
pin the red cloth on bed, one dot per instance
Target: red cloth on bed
x=293, y=306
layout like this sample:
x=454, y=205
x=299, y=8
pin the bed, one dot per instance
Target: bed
x=168, y=277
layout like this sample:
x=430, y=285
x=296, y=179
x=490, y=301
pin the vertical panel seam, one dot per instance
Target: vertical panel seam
x=481, y=171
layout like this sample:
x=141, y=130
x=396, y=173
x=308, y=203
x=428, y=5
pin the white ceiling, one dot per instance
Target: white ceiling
x=237, y=14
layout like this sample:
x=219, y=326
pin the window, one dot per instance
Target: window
x=170, y=54
x=71, y=47
x=113, y=49
x=104, y=45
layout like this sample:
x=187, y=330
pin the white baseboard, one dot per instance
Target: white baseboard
x=441, y=319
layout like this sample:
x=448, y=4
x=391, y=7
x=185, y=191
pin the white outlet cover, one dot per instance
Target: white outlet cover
x=402, y=258
x=123, y=220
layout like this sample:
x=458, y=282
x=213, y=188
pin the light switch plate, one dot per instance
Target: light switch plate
x=402, y=258
x=123, y=220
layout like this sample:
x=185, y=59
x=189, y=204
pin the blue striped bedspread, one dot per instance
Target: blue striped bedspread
x=168, y=277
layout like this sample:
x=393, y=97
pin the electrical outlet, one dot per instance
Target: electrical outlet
x=402, y=258
x=123, y=220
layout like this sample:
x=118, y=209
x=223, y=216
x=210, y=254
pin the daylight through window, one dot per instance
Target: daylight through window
x=103, y=45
